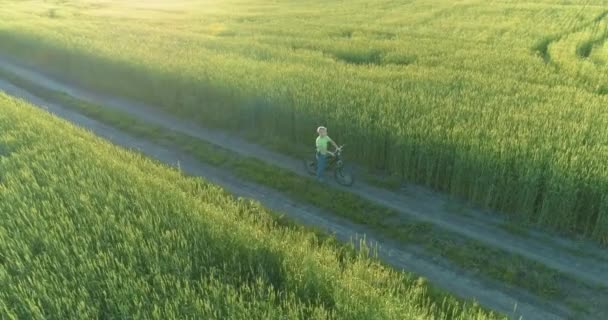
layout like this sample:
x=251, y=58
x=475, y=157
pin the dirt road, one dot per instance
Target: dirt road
x=588, y=263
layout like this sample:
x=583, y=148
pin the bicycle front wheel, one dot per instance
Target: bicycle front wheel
x=344, y=177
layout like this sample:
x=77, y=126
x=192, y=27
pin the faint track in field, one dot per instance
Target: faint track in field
x=542, y=46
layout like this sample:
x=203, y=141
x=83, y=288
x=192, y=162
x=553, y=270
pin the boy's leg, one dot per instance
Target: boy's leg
x=321, y=159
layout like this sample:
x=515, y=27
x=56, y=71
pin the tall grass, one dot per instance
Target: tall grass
x=485, y=101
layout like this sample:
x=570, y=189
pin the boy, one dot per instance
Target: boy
x=322, y=140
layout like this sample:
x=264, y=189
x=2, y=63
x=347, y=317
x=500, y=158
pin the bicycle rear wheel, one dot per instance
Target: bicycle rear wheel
x=311, y=167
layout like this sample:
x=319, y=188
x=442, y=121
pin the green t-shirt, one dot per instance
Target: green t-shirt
x=322, y=144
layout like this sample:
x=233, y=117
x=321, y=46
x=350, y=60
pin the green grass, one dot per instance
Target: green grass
x=88, y=230
x=391, y=182
x=488, y=101
x=515, y=228
x=463, y=252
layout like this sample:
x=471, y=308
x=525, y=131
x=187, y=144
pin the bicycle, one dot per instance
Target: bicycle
x=342, y=175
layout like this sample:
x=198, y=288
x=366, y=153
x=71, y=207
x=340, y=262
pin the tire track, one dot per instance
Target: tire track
x=542, y=46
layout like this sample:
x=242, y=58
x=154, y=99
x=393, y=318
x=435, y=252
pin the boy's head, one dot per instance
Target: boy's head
x=322, y=131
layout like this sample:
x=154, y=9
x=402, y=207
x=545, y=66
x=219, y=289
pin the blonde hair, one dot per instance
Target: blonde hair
x=319, y=129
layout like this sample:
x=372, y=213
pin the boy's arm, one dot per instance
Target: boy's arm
x=333, y=143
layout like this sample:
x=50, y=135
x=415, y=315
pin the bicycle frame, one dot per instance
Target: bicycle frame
x=334, y=161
